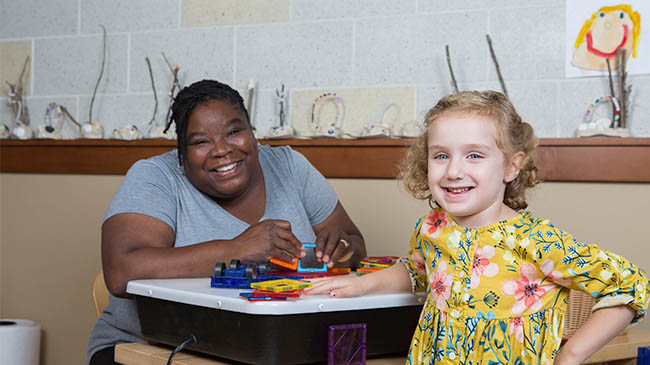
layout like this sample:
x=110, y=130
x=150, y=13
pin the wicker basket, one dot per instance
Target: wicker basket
x=577, y=312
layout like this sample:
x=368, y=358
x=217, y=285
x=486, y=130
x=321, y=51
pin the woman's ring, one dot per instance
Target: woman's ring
x=345, y=243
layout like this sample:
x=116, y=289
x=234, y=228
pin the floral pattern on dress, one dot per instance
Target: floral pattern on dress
x=528, y=290
x=434, y=222
x=497, y=294
x=482, y=265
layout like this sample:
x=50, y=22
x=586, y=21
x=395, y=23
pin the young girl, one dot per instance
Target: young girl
x=496, y=279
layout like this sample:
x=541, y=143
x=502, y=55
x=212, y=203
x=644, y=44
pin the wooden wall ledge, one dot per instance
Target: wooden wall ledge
x=560, y=159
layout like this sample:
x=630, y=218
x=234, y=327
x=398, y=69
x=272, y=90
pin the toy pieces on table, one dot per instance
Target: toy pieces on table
x=293, y=265
x=346, y=344
x=311, y=275
x=367, y=270
x=284, y=294
x=257, y=298
x=260, y=295
x=310, y=262
x=238, y=276
x=379, y=261
x=281, y=285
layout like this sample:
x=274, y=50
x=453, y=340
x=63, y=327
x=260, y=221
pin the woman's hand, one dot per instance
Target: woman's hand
x=266, y=239
x=333, y=246
x=338, y=240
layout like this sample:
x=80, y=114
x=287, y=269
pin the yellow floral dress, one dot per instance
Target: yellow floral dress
x=497, y=294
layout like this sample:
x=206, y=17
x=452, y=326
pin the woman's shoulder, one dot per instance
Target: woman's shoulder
x=165, y=164
x=282, y=157
x=277, y=152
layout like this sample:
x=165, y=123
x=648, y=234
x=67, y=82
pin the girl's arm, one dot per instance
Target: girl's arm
x=390, y=280
x=603, y=325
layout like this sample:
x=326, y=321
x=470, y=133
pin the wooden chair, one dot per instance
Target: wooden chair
x=100, y=293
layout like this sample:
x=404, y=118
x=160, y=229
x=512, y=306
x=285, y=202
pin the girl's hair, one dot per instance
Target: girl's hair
x=513, y=135
x=194, y=95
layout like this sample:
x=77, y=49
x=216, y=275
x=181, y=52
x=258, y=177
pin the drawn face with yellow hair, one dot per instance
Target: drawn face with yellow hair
x=609, y=30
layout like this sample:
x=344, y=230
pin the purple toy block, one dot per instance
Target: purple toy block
x=347, y=344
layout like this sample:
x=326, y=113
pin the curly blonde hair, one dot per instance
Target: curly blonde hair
x=513, y=135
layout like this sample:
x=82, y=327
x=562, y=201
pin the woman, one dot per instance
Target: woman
x=220, y=196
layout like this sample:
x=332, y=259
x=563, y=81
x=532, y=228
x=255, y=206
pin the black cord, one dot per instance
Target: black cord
x=190, y=341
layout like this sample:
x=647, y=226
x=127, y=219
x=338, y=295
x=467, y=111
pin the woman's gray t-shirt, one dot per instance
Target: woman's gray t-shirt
x=157, y=187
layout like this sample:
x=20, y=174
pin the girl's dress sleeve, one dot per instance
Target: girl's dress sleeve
x=415, y=261
x=610, y=279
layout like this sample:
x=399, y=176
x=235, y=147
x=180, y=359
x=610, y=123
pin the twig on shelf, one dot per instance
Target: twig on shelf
x=175, y=84
x=622, y=76
x=153, y=87
x=101, y=72
x=496, y=65
x=451, y=70
x=611, y=90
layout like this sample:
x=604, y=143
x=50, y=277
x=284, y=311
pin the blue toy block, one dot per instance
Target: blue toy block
x=238, y=276
x=643, y=356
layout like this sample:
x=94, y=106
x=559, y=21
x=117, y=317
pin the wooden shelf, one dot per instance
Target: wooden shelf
x=560, y=159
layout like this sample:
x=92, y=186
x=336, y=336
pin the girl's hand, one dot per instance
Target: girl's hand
x=266, y=239
x=339, y=287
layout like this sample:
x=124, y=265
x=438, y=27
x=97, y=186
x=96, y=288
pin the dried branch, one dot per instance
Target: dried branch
x=622, y=75
x=496, y=65
x=22, y=73
x=175, y=84
x=451, y=70
x=153, y=86
x=101, y=72
x=611, y=91
x=67, y=113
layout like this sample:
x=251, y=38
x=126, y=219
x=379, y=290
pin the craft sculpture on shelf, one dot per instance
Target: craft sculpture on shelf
x=333, y=127
x=21, y=130
x=175, y=88
x=156, y=130
x=378, y=127
x=602, y=126
x=282, y=128
x=93, y=129
x=55, y=116
x=5, y=132
x=128, y=133
x=251, y=107
x=408, y=129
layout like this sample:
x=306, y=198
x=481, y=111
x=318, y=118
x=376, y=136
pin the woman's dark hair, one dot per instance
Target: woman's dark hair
x=194, y=95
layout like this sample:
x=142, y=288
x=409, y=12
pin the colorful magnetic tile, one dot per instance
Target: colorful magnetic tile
x=367, y=270
x=293, y=265
x=281, y=285
x=379, y=261
x=253, y=298
x=284, y=294
x=310, y=262
x=339, y=270
x=346, y=344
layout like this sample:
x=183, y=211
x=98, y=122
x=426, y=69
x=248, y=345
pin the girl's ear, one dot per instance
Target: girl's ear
x=514, y=166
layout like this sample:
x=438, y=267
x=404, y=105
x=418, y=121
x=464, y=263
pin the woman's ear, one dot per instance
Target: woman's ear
x=514, y=166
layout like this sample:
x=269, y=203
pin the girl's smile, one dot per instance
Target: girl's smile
x=467, y=171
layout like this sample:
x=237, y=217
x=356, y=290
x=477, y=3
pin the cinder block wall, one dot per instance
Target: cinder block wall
x=367, y=51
